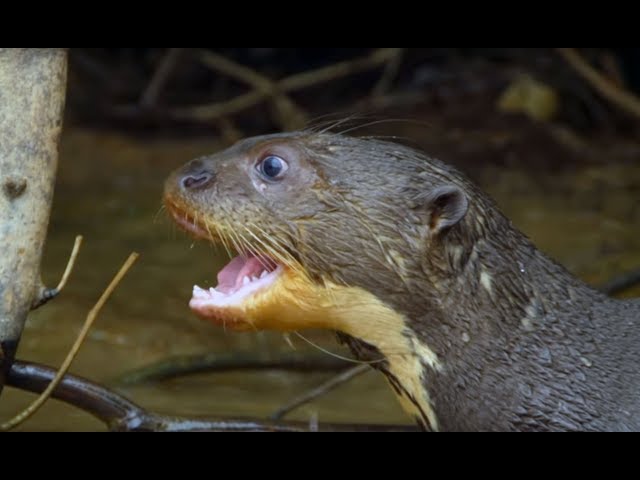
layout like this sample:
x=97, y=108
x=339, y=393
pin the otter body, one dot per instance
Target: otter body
x=420, y=273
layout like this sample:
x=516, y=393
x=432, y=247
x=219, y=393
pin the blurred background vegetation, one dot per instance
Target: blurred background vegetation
x=153, y=88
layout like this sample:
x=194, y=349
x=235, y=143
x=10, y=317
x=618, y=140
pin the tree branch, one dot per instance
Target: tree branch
x=288, y=115
x=609, y=90
x=32, y=94
x=291, y=84
x=120, y=414
x=390, y=73
x=160, y=77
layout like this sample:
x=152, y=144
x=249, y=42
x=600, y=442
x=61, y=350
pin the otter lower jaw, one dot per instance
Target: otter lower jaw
x=242, y=278
x=246, y=281
x=286, y=300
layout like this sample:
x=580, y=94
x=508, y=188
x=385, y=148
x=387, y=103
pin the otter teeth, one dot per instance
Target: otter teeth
x=248, y=280
x=201, y=293
x=208, y=300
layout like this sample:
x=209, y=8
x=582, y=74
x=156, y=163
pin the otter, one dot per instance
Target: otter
x=419, y=273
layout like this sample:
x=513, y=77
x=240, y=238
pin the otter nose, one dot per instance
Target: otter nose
x=197, y=181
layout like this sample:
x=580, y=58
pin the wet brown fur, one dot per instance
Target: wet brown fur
x=518, y=342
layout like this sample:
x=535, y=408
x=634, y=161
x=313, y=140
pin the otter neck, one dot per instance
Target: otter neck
x=483, y=302
x=505, y=279
x=501, y=318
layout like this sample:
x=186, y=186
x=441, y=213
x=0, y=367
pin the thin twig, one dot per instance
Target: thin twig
x=609, y=90
x=160, y=77
x=228, y=131
x=48, y=294
x=91, y=317
x=337, y=70
x=390, y=73
x=120, y=414
x=207, y=113
x=70, y=264
x=320, y=391
x=240, y=72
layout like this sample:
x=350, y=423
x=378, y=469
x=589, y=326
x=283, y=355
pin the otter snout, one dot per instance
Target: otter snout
x=198, y=181
x=195, y=176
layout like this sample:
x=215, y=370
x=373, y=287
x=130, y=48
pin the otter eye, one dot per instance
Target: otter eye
x=272, y=167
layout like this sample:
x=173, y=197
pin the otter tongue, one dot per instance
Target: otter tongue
x=230, y=277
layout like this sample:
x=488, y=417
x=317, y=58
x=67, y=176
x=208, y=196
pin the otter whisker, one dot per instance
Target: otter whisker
x=225, y=242
x=238, y=244
x=220, y=236
x=277, y=252
x=279, y=245
x=339, y=357
x=248, y=246
x=253, y=250
x=381, y=122
x=329, y=125
x=160, y=211
x=321, y=121
x=276, y=249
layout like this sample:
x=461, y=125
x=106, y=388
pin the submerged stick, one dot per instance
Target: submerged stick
x=213, y=362
x=320, y=391
x=621, y=283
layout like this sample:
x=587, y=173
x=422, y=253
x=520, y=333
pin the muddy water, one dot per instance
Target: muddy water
x=109, y=190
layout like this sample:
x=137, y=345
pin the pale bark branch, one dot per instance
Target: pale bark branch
x=32, y=94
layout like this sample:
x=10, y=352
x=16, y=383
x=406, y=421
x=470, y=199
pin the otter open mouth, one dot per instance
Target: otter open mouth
x=242, y=278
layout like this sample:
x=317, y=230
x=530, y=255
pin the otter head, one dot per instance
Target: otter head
x=311, y=213
x=329, y=231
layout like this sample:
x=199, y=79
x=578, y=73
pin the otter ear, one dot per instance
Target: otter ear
x=446, y=207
